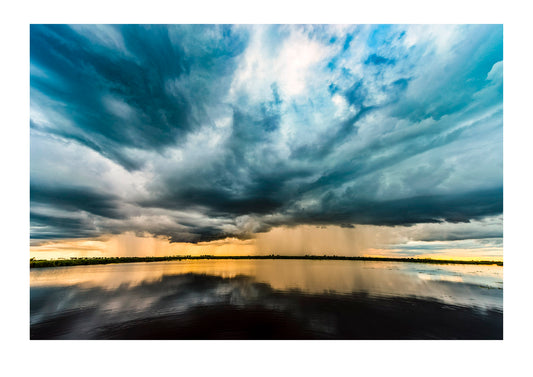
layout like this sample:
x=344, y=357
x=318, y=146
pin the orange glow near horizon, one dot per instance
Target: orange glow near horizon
x=130, y=245
x=449, y=254
x=300, y=240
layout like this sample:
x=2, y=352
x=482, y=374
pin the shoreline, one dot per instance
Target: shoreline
x=43, y=263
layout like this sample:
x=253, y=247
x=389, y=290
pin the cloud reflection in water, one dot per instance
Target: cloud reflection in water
x=266, y=299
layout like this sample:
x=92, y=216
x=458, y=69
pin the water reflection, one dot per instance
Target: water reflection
x=267, y=299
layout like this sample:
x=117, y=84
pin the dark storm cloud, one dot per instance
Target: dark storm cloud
x=56, y=227
x=202, y=132
x=454, y=208
x=125, y=98
x=74, y=198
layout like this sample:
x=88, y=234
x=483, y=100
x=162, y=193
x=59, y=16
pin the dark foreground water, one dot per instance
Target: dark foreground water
x=267, y=299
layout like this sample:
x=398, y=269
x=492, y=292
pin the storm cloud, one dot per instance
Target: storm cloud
x=201, y=132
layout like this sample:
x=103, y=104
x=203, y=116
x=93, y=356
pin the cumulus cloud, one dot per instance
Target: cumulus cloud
x=202, y=132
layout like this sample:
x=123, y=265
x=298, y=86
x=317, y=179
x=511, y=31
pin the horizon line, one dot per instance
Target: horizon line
x=73, y=261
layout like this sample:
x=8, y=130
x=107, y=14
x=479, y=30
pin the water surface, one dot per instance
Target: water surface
x=267, y=299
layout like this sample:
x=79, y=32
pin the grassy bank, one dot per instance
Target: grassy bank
x=89, y=261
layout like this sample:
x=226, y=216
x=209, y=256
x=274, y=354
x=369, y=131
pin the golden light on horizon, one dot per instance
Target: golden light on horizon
x=131, y=245
x=300, y=240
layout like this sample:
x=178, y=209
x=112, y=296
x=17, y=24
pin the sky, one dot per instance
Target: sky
x=261, y=139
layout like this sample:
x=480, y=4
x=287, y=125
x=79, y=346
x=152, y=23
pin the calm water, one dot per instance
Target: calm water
x=267, y=299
